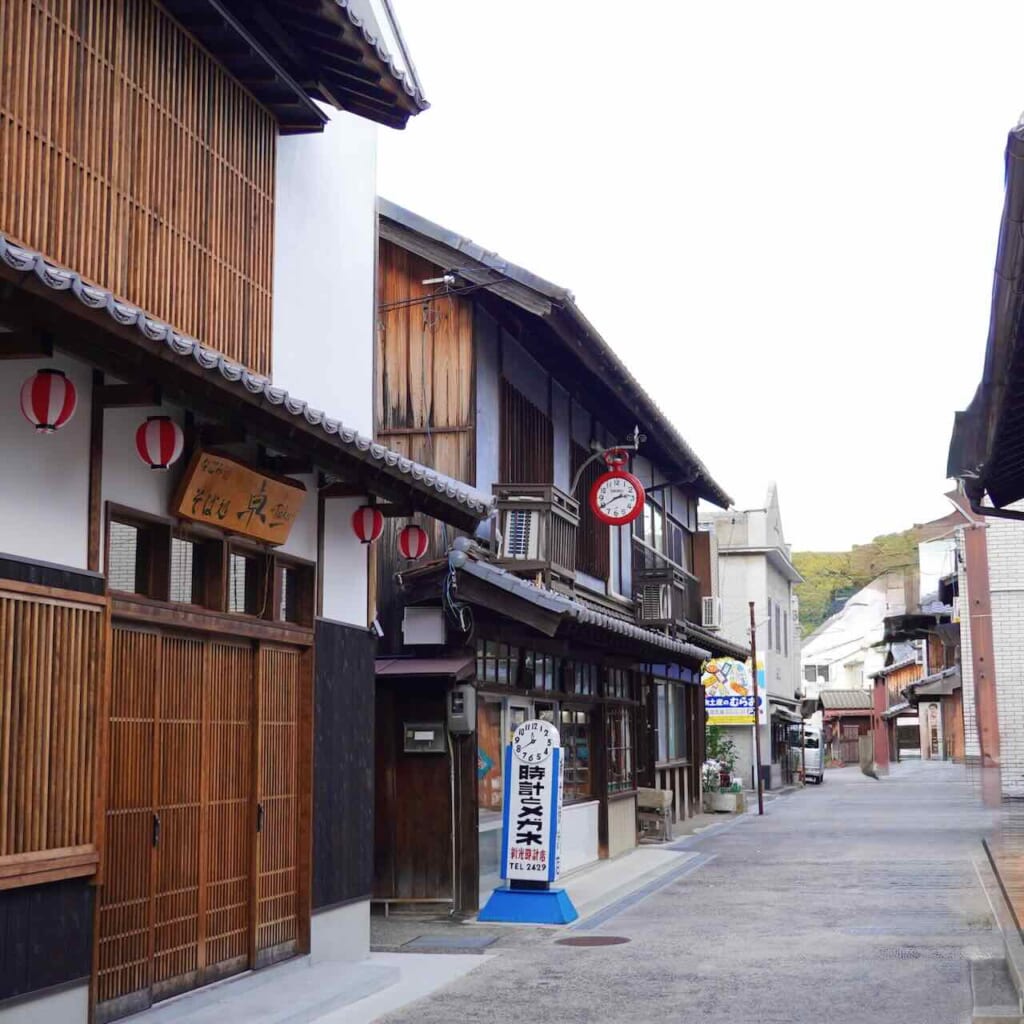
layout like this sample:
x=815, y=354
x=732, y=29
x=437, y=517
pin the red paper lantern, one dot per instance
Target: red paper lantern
x=413, y=542
x=159, y=442
x=48, y=400
x=368, y=523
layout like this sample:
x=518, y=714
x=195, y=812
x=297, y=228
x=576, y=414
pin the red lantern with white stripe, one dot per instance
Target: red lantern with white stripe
x=368, y=523
x=159, y=442
x=48, y=400
x=413, y=542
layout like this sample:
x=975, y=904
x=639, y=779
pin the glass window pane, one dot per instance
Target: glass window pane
x=183, y=560
x=662, y=722
x=122, y=556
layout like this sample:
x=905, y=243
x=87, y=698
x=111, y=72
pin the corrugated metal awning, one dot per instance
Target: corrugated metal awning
x=458, y=667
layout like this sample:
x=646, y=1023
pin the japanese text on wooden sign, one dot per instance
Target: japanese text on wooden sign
x=221, y=492
x=533, y=803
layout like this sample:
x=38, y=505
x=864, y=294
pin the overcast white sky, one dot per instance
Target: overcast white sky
x=782, y=215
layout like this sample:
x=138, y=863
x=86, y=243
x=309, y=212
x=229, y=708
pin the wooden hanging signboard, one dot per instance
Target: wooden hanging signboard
x=218, y=491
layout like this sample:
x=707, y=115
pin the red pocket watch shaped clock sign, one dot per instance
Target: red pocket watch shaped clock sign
x=617, y=497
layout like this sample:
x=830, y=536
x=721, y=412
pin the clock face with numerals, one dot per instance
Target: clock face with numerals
x=533, y=742
x=617, y=498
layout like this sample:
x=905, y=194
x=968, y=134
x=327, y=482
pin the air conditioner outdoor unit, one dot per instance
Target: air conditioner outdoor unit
x=521, y=534
x=654, y=602
x=711, y=612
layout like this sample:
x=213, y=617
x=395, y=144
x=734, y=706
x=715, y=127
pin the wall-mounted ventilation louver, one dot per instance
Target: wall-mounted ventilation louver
x=520, y=534
x=654, y=602
x=711, y=612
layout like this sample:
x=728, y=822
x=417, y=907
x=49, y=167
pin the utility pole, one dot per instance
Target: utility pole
x=757, y=702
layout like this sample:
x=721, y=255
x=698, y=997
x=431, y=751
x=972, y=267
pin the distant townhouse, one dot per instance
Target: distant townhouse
x=754, y=563
x=489, y=373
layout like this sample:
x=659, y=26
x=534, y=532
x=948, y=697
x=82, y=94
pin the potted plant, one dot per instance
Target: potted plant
x=722, y=793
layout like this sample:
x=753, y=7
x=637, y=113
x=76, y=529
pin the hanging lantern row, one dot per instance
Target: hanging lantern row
x=159, y=442
x=368, y=525
x=48, y=400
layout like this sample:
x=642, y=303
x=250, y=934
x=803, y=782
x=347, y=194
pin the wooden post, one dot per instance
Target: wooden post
x=759, y=782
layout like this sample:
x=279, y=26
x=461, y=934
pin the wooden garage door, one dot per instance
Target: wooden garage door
x=202, y=815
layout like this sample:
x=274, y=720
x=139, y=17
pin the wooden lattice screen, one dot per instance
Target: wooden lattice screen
x=527, y=440
x=51, y=672
x=129, y=155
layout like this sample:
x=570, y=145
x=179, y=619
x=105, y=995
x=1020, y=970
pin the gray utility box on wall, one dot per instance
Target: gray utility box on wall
x=462, y=709
x=423, y=737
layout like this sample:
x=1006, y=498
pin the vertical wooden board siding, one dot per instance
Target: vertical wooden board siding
x=277, y=899
x=128, y=154
x=229, y=828
x=51, y=658
x=179, y=750
x=424, y=357
x=124, y=960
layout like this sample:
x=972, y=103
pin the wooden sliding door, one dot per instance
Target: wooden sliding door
x=203, y=863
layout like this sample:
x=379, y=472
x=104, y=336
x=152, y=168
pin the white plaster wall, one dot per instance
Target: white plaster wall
x=345, y=564
x=127, y=480
x=44, y=499
x=579, y=835
x=302, y=539
x=324, y=268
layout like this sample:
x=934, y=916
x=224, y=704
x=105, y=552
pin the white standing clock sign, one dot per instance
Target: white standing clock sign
x=533, y=802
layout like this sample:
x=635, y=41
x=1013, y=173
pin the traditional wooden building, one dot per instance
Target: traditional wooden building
x=187, y=259
x=492, y=374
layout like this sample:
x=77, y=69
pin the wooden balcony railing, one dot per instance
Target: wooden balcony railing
x=538, y=526
x=666, y=593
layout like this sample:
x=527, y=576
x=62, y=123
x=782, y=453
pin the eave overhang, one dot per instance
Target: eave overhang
x=986, y=448
x=288, y=53
x=91, y=323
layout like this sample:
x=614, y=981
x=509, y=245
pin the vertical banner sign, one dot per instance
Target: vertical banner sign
x=533, y=804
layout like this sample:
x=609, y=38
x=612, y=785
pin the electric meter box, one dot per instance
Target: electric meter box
x=423, y=738
x=462, y=709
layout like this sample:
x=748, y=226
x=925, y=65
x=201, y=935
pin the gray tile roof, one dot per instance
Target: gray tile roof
x=846, y=700
x=421, y=477
x=461, y=558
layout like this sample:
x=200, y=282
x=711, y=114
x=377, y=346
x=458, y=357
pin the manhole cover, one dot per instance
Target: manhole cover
x=451, y=943
x=592, y=940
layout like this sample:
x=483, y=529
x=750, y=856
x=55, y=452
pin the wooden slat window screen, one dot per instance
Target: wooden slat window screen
x=51, y=673
x=129, y=155
x=593, y=555
x=527, y=440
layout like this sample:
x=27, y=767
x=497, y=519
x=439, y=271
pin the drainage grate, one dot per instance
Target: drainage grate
x=592, y=940
x=451, y=943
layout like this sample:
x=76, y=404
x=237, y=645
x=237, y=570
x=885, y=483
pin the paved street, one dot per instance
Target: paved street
x=851, y=902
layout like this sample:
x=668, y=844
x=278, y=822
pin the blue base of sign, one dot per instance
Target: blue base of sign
x=529, y=906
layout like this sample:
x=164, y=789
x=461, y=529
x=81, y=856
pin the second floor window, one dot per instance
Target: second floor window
x=592, y=536
x=527, y=443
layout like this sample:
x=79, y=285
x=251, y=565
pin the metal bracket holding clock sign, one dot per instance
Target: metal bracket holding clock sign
x=632, y=445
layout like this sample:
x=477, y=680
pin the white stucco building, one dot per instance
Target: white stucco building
x=754, y=564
